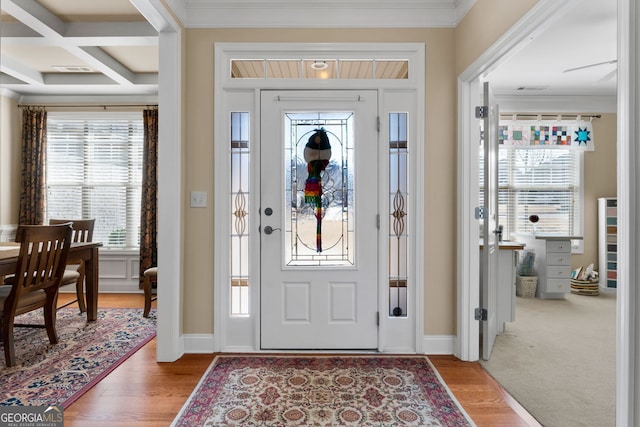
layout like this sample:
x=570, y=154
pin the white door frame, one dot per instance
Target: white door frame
x=535, y=21
x=627, y=321
x=170, y=341
x=242, y=333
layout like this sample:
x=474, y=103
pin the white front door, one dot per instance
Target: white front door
x=319, y=220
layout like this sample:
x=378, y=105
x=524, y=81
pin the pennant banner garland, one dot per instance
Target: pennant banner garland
x=577, y=134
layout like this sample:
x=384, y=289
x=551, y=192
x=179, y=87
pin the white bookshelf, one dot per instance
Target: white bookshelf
x=608, y=242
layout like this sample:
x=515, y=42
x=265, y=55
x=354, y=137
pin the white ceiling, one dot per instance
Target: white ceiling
x=585, y=35
x=115, y=41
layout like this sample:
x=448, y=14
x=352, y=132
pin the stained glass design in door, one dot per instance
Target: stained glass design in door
x=337, y=182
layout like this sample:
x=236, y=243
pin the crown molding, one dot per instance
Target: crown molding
x=96, y=100
x=8, y=93
x=328, y=13
x=179, y=8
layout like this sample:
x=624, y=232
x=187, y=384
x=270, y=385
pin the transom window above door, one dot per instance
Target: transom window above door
x=344, y=69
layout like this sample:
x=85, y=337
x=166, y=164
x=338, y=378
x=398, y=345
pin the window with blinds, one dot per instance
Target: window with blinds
x=543, y=182
x=94, y=170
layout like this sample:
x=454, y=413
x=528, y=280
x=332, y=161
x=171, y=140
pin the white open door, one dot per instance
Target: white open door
x=319, y=251
x=489, y=261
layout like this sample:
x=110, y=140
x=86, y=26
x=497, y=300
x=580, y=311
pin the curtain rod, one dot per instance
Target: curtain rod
x=104, y=106
x=551, y=116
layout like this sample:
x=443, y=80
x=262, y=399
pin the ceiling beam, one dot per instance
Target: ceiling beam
x=17, y=30
x=35, y=16
x=20, y=71
x=38, y=18
x=111, y=34
x=155, y=12
x=101, y=61
x=84, y=34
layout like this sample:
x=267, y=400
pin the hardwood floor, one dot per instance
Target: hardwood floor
x=142, y=392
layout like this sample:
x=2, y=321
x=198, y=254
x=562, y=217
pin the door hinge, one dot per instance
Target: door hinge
x=378, y=221
x=378, y=123
x=480, y=210
x=377, y=318
x=482, y=112
x=481, y=314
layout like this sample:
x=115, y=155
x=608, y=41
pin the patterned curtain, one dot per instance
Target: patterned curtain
x=33, y=176
x=149, y=208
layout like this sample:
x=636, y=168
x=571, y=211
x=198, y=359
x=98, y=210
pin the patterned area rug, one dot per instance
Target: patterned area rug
x=321, y=391
x=59, y=374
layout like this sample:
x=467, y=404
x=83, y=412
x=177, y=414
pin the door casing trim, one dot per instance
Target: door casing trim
x=227, y=93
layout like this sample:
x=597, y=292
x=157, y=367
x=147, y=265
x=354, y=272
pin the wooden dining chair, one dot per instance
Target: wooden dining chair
x=82, y=232
x=150, y=277
x=39, y=272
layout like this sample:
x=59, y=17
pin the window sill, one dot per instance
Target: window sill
x=120, y=251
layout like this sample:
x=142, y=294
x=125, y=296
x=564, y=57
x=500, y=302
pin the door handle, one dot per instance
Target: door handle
x=269, y=229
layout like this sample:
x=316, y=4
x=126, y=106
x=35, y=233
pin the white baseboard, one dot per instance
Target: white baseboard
x=108, y=289
x=205, y=343
x=199, y=344
x=438, y=344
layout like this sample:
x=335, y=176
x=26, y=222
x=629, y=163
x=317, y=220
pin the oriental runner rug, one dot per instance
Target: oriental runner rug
x=381, y=391
x=59, y=374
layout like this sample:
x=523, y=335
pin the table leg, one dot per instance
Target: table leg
x=91, y=270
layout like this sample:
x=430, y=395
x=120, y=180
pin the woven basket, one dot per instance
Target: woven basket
x=526, y=286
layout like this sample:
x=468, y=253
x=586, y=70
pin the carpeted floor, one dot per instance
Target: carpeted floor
x=87, y=351
x=558, y=359
x=321, y=391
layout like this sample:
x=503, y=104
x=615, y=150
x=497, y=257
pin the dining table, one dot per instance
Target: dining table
x=85, y=251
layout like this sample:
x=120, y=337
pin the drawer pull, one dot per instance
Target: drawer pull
x=561, y=259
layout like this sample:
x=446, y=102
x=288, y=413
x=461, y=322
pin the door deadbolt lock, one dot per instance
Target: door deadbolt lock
x=268, y=211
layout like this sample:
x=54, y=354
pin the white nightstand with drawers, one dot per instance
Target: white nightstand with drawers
x=552, y=263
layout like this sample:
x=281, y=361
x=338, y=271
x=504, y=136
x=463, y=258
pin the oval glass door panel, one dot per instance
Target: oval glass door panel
x=319, y=189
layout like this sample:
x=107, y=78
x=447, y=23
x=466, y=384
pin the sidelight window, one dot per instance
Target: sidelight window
x=239, y=150
x=398, y=195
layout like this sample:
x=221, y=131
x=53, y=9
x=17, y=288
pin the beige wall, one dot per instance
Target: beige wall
x=442, y=68
x=484, y=24
x=10, y=159
x=440, y=160
x=599, y=181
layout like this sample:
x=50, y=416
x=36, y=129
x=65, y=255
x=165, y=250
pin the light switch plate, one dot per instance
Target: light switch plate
x=198, y=199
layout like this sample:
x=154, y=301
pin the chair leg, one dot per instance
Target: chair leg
x=7, y=338
x=50, y=318
x=80, y=289
x=146, y=286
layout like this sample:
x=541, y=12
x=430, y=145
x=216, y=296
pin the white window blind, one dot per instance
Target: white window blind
x=543, y=182
x=94, y=170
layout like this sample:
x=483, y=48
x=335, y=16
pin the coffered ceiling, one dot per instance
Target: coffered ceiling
x=77, y=47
